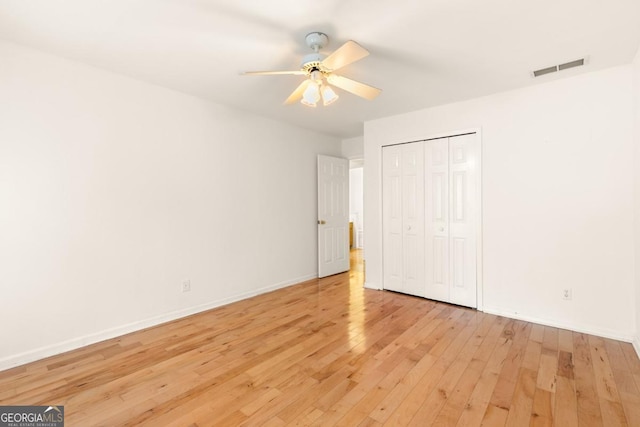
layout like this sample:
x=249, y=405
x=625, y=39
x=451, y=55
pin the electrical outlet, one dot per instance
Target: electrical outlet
x=567, y=294
x=186, y=285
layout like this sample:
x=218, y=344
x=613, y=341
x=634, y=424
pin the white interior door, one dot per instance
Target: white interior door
x=333, y=215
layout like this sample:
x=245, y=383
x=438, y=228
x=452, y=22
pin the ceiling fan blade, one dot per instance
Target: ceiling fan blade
x=357, y=88
x=297, y=94
x=345, y=55
x=273, y=73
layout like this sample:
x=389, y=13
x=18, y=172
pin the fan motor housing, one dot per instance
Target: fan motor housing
x=311, y=62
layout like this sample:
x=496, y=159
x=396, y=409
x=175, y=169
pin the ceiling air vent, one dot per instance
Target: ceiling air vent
x=543, y=71
x=576, y=63
x=565, y=66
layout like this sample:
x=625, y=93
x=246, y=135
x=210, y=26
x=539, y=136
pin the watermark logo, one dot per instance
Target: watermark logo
x=31, y=416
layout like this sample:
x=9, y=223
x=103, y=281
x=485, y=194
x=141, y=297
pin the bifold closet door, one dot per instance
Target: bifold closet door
x=437, y=219
x=450, y=219
x=403, y=218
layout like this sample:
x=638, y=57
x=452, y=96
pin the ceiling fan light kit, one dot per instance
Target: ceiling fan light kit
x=311, y=95
x=328, y=95
x=319, y=71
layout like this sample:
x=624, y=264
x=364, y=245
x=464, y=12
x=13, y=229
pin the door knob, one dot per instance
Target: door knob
x=322, y=221
x=441, y=228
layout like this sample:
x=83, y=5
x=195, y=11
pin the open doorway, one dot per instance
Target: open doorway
x=356, y=211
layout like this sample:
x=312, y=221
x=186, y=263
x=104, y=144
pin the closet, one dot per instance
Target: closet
x=431, y=208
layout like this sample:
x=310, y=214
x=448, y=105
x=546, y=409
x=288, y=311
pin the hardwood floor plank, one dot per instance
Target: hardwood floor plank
x=612, y=413
x=340, y=408
x=495, y=417
x=488, y=346
x=566, y=409
x=306, y=418
x=404, y=414
x=291, y=390
x=605, y=382
x=532, y=355
x=565, y=340
x=477, y=405
x=457, y=400
x=550, y=341
x=329, y=352
x=631, y=406
x=360, y=411
x=520, y=409
x=565, y=365
x=632, y=358
x=546, y=378
x=445, y=393
x=537, y=333
x=505, y=388
x=543, y=408
x=586, y=392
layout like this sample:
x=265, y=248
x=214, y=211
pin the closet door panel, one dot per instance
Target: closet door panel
x=413, y=218
x=436, y=177
x=462, y=233
x=392, y=218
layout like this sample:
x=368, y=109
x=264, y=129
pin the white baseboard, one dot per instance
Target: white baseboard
x=369, y=285
x=75, y=343
x=605, y=333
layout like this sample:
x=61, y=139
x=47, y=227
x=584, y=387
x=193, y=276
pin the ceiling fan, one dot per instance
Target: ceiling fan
x=319, y=71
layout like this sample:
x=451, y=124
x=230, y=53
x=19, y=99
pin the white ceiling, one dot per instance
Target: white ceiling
x=423, y=52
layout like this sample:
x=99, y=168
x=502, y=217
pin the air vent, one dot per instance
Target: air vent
x=565, y=66
x=544, y=71
x=576, y=63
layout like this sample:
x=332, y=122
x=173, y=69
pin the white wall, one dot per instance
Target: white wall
x=353, y=148
x=636, y=92
x=557, y=197
x=113, y=191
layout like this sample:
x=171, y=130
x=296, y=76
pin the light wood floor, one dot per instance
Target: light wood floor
x=327, y=352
